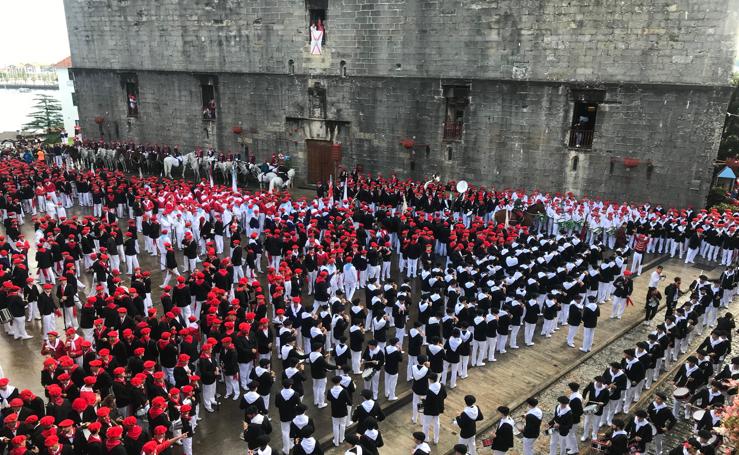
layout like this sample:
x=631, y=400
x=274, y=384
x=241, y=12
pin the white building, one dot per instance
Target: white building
x=67, y=96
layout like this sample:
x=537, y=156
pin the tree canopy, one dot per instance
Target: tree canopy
x=46, y=118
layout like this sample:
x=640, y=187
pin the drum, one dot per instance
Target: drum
x=5, y=316
x=518, y=430
x=681, y=393
x=367, y=373
x=599, y=446
x=590, y=409
x=698, y=415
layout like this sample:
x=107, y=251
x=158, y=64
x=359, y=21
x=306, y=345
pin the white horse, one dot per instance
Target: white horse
x=87, y=156
x=224, y=169
x=275, y=181
x=169, y=163
x=189, y=160
x=104, y=156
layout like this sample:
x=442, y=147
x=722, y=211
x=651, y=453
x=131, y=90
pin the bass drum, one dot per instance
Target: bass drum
x=368, y=373
x=518, y=430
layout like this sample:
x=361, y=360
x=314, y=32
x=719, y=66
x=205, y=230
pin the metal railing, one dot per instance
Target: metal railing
x=581, y=137
x=453, y=130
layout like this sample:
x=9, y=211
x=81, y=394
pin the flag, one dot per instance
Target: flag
x=210, y=178
x=331, y=189
x=405, y=204
x=345, y=197
x=233, y=178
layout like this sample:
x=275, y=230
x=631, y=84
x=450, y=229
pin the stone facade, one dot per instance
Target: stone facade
x=657, y=70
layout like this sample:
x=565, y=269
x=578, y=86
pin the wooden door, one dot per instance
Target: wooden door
x=320, y=165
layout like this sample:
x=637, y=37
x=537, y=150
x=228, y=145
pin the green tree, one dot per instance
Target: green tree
x=46, y=118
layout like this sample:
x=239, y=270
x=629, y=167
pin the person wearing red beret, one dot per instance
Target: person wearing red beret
x=94, y=444
x=48, y=308
x=230, y=365
x=31, y=295
x=17, y=308
x=113, y=441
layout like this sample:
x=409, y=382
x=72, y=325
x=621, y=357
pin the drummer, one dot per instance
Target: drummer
x=710, y=419
x=708, y=442
x=560, y=427
x=373, y=359
x=531, y=425
x=662, y=418
x=689, y=376
x=709, y=397
x=640, y=431
x=618, y=442
x=597, y=395
x=728, y=373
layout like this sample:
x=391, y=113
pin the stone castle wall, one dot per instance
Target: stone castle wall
x=659, y=70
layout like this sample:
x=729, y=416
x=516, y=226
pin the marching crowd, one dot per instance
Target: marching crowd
x=258, y=286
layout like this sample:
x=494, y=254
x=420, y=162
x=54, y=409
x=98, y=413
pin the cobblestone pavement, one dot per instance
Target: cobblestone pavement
x=596, y=365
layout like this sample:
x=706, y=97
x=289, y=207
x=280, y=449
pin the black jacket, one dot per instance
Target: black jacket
x=433, y=404
x=467, y=421
x=503, y=436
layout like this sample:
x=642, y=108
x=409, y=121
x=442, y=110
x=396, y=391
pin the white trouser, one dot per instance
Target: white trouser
x=571, y=333
x=187, y=446
x=48, y=323
x=287, y=442
x=636, y=265
x=244, y=373
x=69, y=319
x=427, y=422
x=132, y=262
x=528, y=333
x=479, y=350
x=19, y=327
x=373, y=385
x=412, y=267
x=232, y=386
x=319, y=391
x=592, y=424
x=587, y=341
x=571, y=438
x=491, y=345
x=470, y=443
x=339, y=428
x=658, y=440
x=356, y=357
x=33, y=312
x=168, y=374
x=557, y=444
x=209, y=396
x=514, y=336
x=690, y=257
x=417, y=400
x=502, y=340
x=391, y=381
x=617, y=307
x=452, y=369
